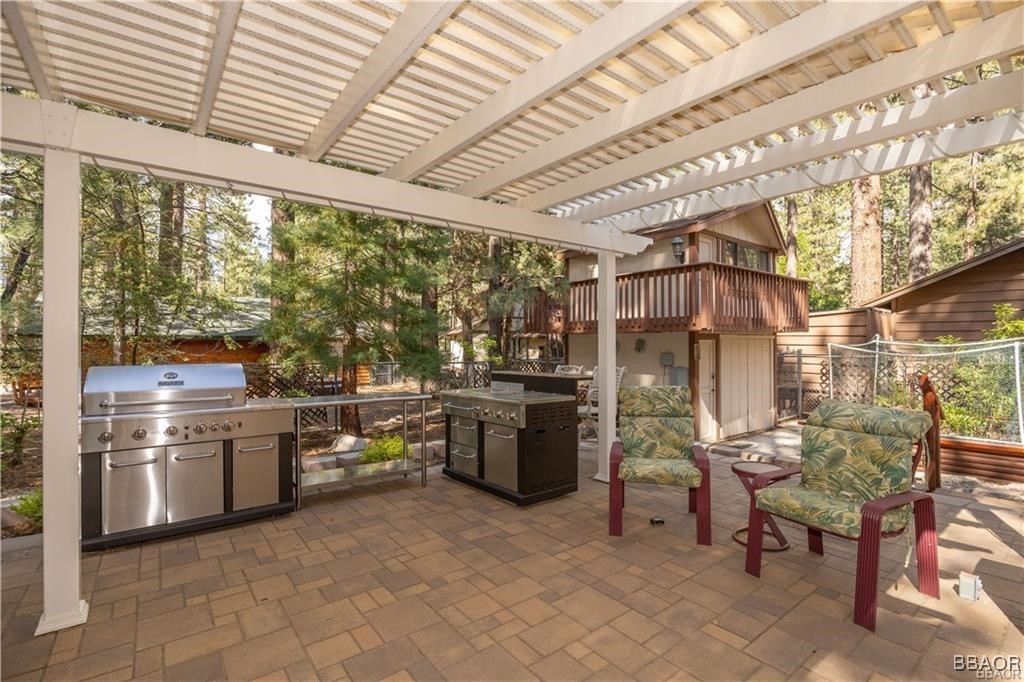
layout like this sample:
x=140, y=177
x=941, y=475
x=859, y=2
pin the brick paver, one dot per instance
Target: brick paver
x=393, y=581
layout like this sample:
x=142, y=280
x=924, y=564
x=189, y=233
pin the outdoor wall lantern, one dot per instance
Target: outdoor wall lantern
x=678, y=248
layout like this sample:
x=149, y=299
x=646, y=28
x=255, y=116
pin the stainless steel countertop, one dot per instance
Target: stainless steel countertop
x=264, y=404
x=513, y=397
x=334, y=400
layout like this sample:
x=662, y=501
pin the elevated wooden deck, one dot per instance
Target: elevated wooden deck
x=700, y=297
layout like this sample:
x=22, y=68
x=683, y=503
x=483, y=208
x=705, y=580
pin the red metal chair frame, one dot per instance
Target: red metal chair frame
x=699, y=497
x=865, y=601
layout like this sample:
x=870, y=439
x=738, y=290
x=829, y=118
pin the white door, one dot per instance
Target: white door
x=760, y=408
x=745, y=384
x=708, y=386
x=733, y=384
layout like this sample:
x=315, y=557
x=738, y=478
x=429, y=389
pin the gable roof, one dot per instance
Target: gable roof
x=948, y=272
x=709, y=220
x=703, y=222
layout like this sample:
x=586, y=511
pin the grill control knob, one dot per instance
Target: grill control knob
x=199, y=428
x=171, y=431
x=486, y=412
x=227, y=426
x=499, y=414
x=139, y=434
x=105, y=437
x=215, y=427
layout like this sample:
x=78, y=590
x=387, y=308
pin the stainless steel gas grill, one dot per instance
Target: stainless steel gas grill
x=174, y=448
x=516, y=444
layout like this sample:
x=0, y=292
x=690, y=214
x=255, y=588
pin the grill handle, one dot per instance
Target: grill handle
x=140, y=403
x=453, y=406
x=464, y=428
x=115, y=465
x=462, y=454
x=499, y=435
x=257, y=448
x=185, y=458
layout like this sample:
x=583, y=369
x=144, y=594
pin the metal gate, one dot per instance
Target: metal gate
x=789, y=384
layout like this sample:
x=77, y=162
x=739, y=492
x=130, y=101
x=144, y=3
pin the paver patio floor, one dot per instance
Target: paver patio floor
x=395, y=581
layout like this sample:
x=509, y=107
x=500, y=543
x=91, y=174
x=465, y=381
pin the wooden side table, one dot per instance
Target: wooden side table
x=747, y=472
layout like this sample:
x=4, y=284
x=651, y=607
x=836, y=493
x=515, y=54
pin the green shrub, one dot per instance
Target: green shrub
x=383, y=449
x=14, y=430
x=31, y=506
x=1007, y=324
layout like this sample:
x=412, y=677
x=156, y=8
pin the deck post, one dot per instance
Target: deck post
x=607, y=395
x=63, y=605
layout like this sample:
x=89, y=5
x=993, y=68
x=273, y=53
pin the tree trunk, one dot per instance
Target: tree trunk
x=791, y=236
x=494, y=317
x=866, y=241
x=920, y=249
x=281, y=216
x=971, y=219
x=24, y=252
x=203, y=239
x=120, y=333
x=920, y=221
x=350, y=422
x=172, y=228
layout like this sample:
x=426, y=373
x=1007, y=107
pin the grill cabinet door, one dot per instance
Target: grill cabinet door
x=195, y=481
x=464, y=430
x=254, y=471
x=501, y=456
x=464, y=459
x=133, y=489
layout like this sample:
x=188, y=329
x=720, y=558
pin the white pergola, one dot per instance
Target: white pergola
x=570, y=123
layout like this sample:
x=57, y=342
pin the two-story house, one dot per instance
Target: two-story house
x=700, y=307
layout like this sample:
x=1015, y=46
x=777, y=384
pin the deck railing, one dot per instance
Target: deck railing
x=698, y=297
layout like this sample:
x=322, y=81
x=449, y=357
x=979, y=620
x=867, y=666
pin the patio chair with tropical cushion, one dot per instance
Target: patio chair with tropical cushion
x=657, y=446
x=857, y=464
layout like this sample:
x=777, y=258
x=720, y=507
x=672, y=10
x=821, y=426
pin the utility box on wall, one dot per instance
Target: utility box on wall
x=679, y=376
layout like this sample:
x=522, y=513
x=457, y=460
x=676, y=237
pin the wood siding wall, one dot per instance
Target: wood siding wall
x=838, y=326
x=960, y=305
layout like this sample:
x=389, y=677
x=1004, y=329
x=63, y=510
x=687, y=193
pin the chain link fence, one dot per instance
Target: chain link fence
x=979, y=384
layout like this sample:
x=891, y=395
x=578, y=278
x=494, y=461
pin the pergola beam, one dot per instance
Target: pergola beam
x=976, y=44
x=791, y=41
x=602, y=40
x=24, y=26
x=222, y=38
x=131, y=145
x=417, y=22
x=1002, y=130
x=982, y=99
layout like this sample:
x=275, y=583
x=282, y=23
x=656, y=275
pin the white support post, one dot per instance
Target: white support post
x=63, y=605
x=607, y=404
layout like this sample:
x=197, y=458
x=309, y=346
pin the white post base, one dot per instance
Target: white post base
x=600, y=476
x=64, y=620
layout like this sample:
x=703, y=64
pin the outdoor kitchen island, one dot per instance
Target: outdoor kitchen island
x=516, y=444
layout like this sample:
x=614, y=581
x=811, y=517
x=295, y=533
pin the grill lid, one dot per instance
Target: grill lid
x=162, y=388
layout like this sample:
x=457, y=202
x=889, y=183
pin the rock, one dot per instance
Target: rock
x=757, y=457
x=9, y=518
x=347, y=458
x=347, y=443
